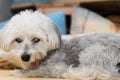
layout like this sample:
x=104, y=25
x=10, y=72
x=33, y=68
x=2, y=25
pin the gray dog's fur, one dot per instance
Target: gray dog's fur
x=88, y=57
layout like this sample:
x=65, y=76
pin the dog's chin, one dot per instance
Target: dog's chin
x=30, y=65
x=35, y=64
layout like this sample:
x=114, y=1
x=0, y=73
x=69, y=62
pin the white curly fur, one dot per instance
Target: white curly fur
x=27, y=25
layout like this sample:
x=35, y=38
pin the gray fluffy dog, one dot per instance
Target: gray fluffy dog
x=32, y=41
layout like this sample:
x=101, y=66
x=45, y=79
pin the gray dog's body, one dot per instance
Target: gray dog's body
x=32, y=42
x=94, y=56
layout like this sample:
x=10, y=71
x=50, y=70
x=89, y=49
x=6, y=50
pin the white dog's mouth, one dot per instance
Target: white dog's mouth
x=35, y=64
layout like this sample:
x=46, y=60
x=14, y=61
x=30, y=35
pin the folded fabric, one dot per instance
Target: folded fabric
x=86, y=21
x=78, y=20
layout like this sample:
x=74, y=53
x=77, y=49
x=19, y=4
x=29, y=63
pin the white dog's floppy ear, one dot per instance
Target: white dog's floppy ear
x=5, y=39
x=54, y=36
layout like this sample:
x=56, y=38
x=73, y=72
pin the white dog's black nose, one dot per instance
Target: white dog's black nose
x=25, y=57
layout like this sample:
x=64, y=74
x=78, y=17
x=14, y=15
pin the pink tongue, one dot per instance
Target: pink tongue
x=34, y=64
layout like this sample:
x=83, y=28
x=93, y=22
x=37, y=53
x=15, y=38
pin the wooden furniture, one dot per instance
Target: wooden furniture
x=52, y=5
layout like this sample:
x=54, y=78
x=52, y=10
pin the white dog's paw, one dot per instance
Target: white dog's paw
x=18, y=73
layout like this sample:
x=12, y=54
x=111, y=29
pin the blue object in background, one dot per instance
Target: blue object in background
x=2, y=24
x=57, y=17
x=26, y=1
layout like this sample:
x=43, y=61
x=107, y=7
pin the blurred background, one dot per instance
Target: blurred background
x=71, y=16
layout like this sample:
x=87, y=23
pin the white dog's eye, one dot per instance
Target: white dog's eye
x=35, y=40
x=18, y=40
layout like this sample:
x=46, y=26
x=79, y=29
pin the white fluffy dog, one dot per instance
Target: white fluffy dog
x=28, y=37
x=33, y=42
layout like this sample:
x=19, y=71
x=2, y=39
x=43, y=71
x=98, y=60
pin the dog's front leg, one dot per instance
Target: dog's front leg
x=42, y=71
x=39, y=72
x=21, y=73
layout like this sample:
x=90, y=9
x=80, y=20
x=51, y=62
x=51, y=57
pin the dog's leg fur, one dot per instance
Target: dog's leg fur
x=89, y=73
x=96, y=62
x=71, y=73
x=49, y=70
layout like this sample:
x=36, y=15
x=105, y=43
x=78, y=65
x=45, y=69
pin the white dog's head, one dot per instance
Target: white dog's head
x=28, y=37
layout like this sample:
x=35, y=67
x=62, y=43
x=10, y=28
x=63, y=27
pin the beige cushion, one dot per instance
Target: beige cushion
x=79, y=16
x=86, y=21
